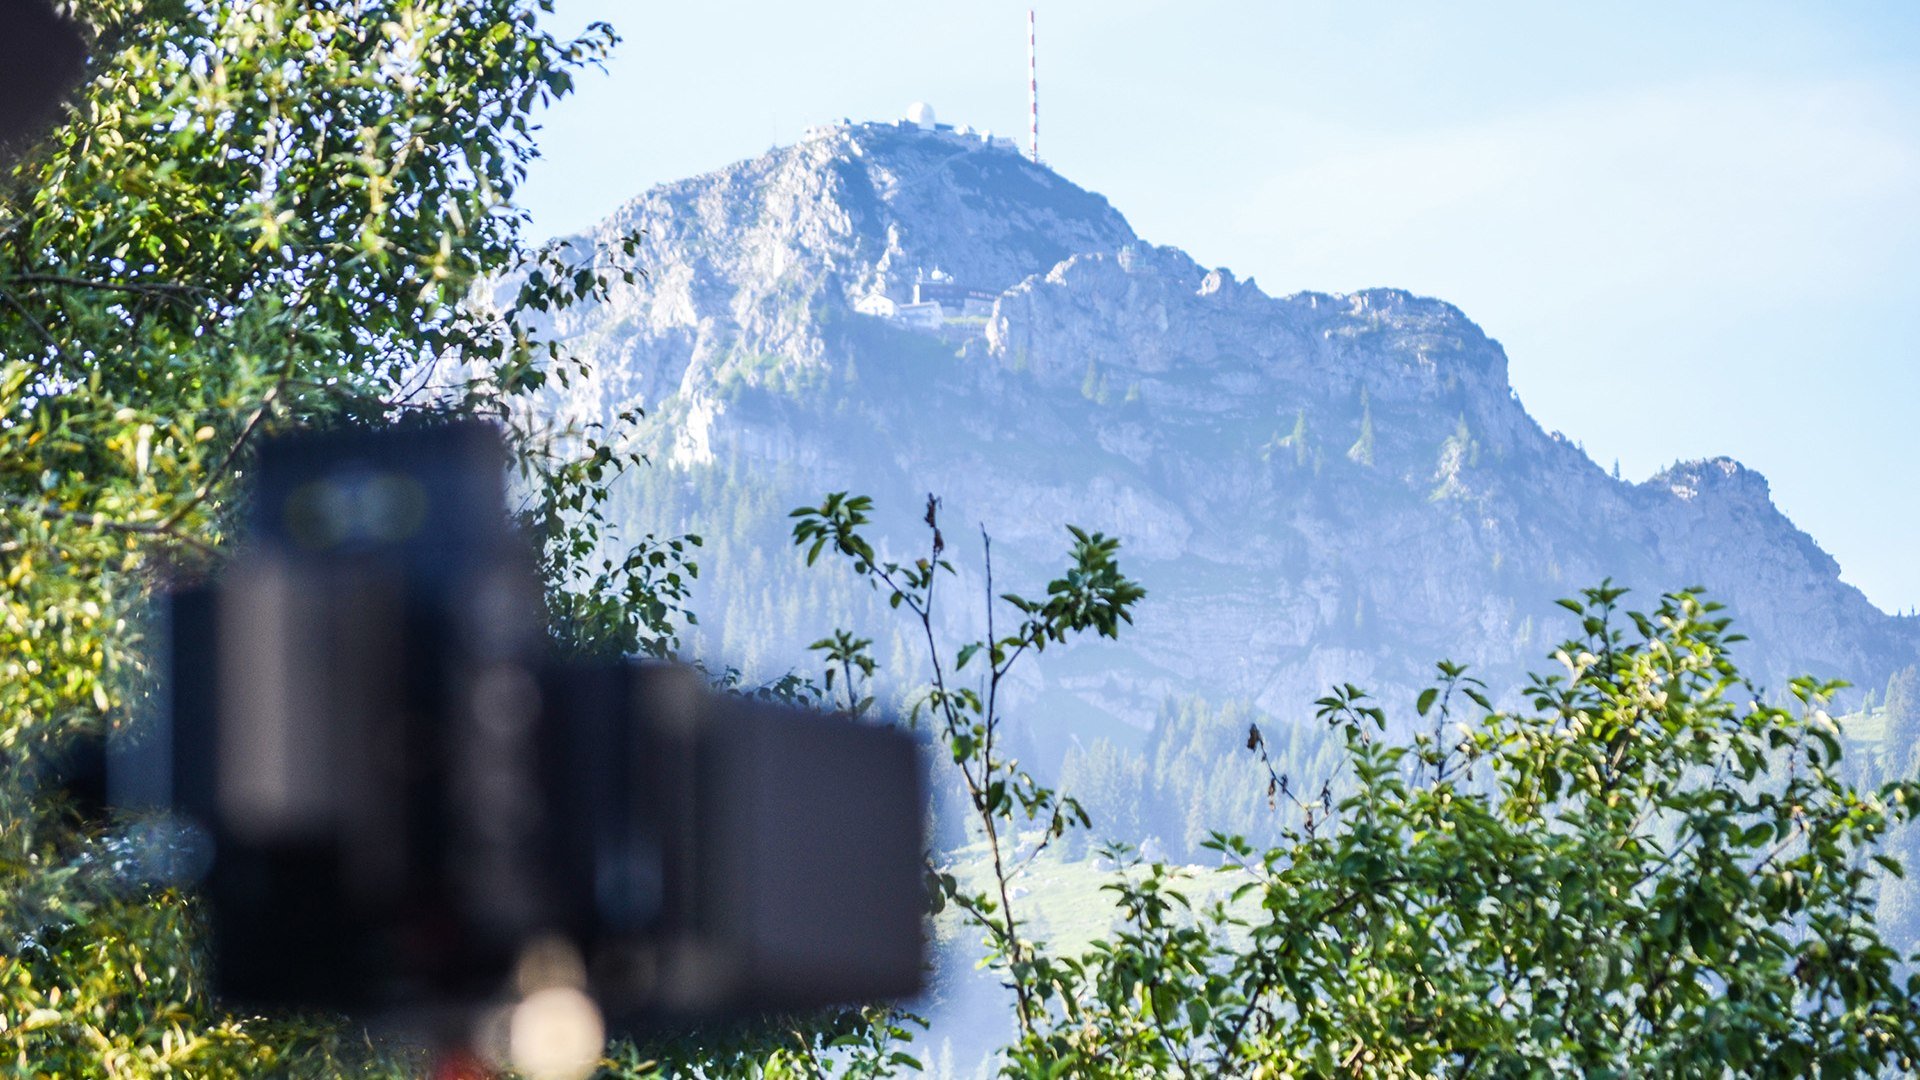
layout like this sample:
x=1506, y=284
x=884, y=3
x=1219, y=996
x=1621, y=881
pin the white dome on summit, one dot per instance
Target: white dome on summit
x=920, y=115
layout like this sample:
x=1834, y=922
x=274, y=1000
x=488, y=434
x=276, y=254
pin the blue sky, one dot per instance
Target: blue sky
x=1695, y=227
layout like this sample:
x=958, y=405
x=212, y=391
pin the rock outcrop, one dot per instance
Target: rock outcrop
x=1314, y=487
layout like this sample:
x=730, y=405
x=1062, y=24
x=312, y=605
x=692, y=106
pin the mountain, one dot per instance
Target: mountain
x=1314, y=488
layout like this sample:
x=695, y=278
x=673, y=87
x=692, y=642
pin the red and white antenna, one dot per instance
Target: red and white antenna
x=1033, y=93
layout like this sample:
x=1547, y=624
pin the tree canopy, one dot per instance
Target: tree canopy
x=1648, y=867
x=253, y=215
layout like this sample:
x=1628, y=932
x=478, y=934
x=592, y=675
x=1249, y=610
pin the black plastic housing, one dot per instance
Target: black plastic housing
x=402, y=792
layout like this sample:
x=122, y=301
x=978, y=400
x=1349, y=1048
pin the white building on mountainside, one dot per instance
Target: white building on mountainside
x=969, y=302
x=935, y=302
x=921, y=118
x=879, y=305
x=928, y=317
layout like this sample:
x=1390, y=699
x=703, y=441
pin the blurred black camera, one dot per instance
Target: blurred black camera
x=42, y=57
x=404, y=804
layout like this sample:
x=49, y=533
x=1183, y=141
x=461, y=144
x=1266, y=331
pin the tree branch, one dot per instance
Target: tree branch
x=168, y=289
x=227, y=460
x=38, y=326
x=157, y=530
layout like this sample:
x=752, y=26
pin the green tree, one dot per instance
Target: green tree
x=1199, y=768
x=1902, y=711
x=254, y=216
x=1297, y=439
x=1093, y=386
x=1649, y=869
x=1111, y=784
x=968, y=714
x=1361, y=452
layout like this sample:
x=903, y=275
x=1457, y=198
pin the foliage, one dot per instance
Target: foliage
x=1091, y=597
x=857, y=1043
x=602, y=601
x=1902, y=711
x=1111, y=784
x=1194, y=777
x=1361, y=452
x=254, y=216
x=1650, y=871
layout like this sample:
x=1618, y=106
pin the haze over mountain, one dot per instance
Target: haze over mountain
x=1313, y=488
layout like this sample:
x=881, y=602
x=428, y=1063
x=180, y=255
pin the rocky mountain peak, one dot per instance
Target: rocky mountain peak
x=1315, y=488
x=870, y=206
x=965, y=204
x=752, y=259
x=1719, y=477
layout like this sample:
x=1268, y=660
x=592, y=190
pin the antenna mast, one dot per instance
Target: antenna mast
x=1033, y=93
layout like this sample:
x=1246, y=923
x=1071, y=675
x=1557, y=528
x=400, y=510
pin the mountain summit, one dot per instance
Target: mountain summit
x=755, y=255
x=1314, y=488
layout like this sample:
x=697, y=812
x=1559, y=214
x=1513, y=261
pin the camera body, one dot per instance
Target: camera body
x=403, y=797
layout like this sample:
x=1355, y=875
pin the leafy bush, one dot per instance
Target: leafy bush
x=1651, y=869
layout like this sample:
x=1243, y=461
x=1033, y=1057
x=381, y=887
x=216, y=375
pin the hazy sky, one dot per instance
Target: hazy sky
x=1695, y=227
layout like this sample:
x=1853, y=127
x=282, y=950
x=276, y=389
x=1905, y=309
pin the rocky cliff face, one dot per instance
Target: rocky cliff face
x=753, y=258
x=1313, y=487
